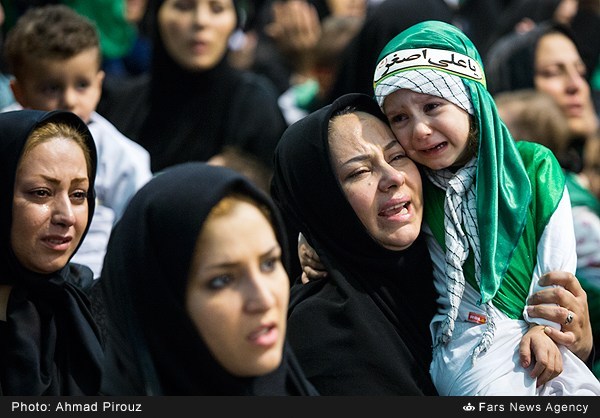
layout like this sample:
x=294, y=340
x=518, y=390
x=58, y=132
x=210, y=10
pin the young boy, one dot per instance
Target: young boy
x=498, y=214
x=54, y=56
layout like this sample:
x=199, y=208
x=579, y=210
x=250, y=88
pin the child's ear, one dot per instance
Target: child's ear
x=100, y=77
x=17, y=91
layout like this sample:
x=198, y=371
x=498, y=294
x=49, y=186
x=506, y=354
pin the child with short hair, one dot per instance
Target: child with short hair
x=497, y=215
x=54, y=56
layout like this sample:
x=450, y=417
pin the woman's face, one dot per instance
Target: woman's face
x=560, y=72
x=238, y=291
x=196, y=32
x=50, y=207
x=381, y=183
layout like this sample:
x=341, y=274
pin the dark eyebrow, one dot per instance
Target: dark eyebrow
x=391, y=144
x=363, y=157
x=56, y=181
x=228, y=264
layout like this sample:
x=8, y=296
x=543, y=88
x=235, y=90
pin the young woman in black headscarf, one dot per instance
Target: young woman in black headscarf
x=166, y=280
x=49, y=341
x=365, y=329
x=193, y=102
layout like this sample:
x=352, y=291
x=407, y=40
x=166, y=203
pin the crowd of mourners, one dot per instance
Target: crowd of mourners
x=300, y=197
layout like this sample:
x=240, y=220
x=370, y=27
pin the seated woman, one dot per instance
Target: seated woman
x=343, y=180
x=50, y=343
x=196, y=290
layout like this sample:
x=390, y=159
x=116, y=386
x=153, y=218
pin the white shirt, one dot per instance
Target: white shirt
x=498, y=372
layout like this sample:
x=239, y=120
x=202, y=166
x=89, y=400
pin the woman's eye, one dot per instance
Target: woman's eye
x=79, y=196
x=269, y=264
x=398, y=157
x=219, y=282
x=357, y=173
x=40, y=193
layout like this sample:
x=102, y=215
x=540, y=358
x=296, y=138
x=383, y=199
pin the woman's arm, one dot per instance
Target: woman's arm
x=551, y=302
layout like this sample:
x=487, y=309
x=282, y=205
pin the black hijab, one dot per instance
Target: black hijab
x=364, y=330
x=153, y=346
x=180, y=115
x=50, y=344
x=510, y=62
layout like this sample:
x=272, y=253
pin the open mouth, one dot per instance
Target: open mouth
x=400, y=208
x=434, y=149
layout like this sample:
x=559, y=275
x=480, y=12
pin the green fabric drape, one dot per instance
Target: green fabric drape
x=504, y=190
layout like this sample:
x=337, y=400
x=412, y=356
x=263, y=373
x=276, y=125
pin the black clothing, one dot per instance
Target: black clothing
x=508, y=17
x=363, y=330
x=180, y=115
x=50, y=343
x=153, y=346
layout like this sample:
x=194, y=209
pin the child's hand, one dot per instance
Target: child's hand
x=312, y=269
x=538, y=348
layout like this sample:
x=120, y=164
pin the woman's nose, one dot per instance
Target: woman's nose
x=391, y=178
x=201, y=15
x=259, y=297
x=62, y=213
x=574, y=81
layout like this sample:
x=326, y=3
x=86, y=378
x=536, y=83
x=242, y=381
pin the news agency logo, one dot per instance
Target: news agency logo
x=468, y=407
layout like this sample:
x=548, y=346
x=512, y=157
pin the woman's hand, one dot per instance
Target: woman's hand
x=575, y=334
x=312, y=269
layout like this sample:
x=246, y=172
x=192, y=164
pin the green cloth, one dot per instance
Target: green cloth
x=546, y=179
x=580, y=195
x=306, y=94
x=504, y=193
x=117, y=36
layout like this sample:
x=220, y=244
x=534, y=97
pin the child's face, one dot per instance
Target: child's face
x=73, y=84
x=433, y=131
